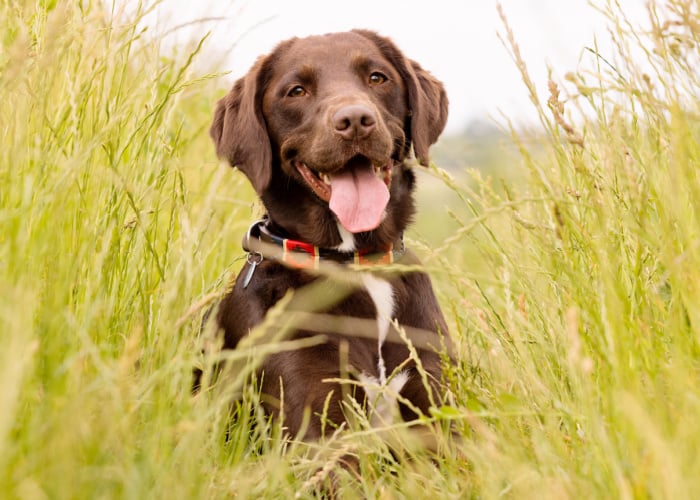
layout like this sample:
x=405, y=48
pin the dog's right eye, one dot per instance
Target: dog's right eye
x=297, y=91
x=377, y=78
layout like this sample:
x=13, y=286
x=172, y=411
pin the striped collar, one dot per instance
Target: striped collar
x=261, y=243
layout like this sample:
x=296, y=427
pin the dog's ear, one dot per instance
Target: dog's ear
x=427, y=99
x=428, y=103
x=239, y=130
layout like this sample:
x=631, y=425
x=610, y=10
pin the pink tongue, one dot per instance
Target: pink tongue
x=358, y=198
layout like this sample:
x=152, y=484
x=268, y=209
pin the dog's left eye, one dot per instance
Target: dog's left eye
x=377, y=78
x=297, y=91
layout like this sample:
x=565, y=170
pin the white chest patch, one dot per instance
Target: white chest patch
x=348, y=240
x=383, y=398
x=383, y=297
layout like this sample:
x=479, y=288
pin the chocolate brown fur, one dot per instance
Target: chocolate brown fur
x=263, y=127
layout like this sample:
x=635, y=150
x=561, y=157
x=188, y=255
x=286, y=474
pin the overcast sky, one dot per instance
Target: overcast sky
x=455, y=39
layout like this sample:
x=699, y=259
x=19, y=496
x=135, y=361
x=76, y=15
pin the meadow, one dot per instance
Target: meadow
x=568, y=281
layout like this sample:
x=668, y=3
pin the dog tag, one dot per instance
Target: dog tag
x=254, y=258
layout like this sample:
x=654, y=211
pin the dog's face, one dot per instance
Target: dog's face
x=321, y=127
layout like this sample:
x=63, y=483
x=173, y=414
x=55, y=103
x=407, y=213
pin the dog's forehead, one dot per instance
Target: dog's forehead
x=330, y=50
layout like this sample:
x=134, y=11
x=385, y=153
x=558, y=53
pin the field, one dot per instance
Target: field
x=570, y=281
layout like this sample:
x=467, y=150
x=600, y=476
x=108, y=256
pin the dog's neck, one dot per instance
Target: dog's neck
x=347, y=240
x=265, y=240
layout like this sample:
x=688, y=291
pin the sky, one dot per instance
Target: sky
x=456, y=40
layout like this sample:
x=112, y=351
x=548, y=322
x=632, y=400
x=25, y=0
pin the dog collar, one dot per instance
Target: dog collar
x=261, y=243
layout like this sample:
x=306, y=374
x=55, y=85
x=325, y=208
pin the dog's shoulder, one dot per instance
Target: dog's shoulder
x=253, y=293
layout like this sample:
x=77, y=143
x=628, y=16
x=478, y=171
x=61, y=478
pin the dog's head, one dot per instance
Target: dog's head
x=321, y=127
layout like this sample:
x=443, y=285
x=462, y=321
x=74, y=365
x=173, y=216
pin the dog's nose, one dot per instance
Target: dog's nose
x=354, y=122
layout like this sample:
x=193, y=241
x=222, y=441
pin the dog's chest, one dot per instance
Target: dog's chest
x=382, y=295
x=380, y=291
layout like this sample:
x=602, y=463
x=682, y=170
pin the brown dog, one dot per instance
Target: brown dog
x=323, y=127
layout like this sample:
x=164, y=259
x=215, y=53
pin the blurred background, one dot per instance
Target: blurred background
x=462, y=43
x=457, y=41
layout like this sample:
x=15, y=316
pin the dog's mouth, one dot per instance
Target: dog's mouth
x=357, y=193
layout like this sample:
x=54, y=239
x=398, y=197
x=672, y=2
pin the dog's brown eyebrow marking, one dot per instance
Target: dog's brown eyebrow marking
x=360, y=63
x=363, y=65
x=306, y=74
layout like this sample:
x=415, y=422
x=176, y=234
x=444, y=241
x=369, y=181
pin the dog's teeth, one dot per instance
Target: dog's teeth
x=325, y=178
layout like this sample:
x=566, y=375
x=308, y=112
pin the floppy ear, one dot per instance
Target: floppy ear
x=239, y=131
x=427, y=99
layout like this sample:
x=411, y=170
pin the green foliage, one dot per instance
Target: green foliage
x=569, y=282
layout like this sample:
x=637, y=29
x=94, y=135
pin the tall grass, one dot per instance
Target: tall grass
x=104, y=151
x=571, y=294
x=581, y=338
